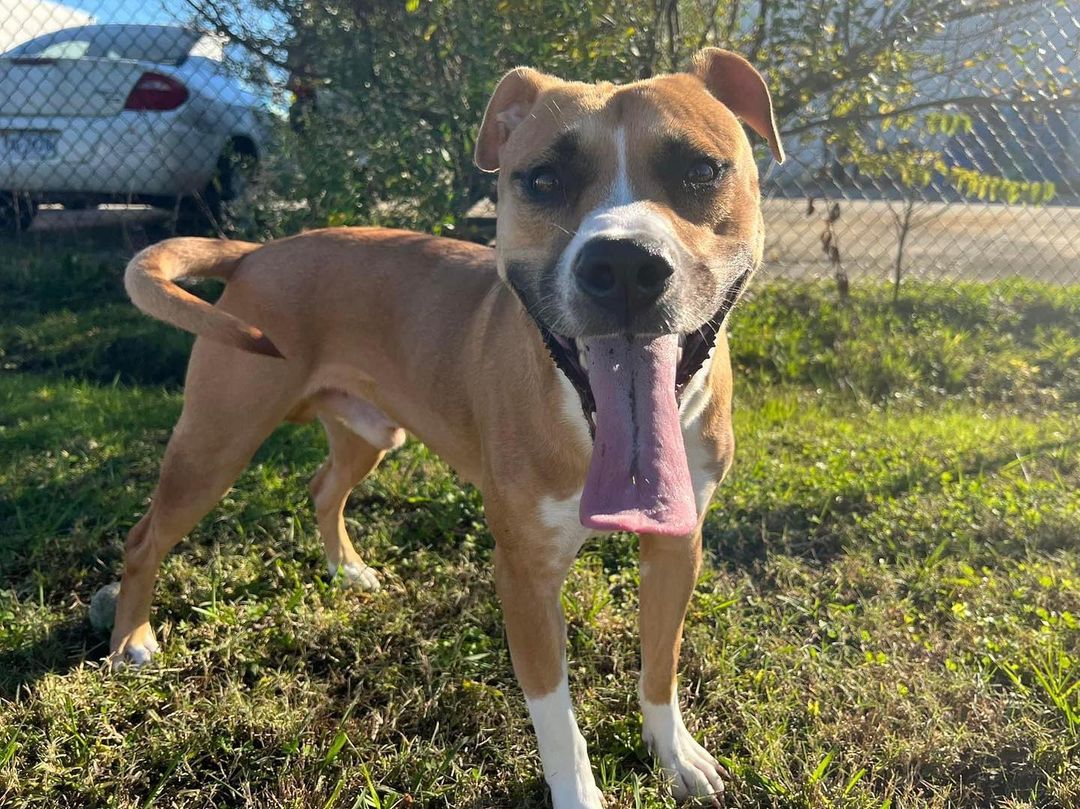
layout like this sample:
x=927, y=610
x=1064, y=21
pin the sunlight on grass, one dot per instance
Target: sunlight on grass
x=889, y=616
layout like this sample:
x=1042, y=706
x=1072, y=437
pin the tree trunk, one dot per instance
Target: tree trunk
x=903, y=228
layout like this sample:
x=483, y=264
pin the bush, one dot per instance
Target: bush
x=1010, y=341
x=1016, y=342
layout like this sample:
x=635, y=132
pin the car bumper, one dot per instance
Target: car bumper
x=131, y=154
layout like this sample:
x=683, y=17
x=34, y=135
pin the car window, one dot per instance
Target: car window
x=165, y=45
x=55, y=47
x=75, y=49
x=34, y=46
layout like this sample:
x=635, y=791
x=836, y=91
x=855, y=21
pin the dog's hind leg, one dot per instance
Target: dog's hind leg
x=352, y=458
x=226, y=416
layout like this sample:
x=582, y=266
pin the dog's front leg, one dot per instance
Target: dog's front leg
x=669, y=570
x=529, y=578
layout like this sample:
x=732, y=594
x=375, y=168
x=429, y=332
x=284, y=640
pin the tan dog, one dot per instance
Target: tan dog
x=578, y=374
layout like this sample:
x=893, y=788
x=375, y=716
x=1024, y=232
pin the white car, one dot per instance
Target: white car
x=136, y=113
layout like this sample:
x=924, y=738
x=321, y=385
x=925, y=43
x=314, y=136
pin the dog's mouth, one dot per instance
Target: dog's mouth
x=571, y=358
x=630, y=387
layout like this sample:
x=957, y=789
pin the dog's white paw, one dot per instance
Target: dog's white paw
x=563, y=751
x=686, y=767
x=572, y=793
x=690, y=770
x=137, y=651
x=356, y=574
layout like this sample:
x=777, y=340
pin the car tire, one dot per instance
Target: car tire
x=207, y=212
x=17, y=211
x=197, y=215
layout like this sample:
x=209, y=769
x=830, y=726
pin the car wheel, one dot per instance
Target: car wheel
x=198, y=215
x=236, y=172
x=210, y=211
x=17, y=211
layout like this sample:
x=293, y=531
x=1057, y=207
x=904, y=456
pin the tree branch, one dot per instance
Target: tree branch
x=965, y=102
x=264, y=48
x=760, y=31
x=709, y=26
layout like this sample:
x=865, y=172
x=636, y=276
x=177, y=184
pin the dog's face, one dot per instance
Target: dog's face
x=631, y=210
x=628, y=209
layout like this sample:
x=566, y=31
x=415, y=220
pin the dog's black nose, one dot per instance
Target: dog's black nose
x=621, y=275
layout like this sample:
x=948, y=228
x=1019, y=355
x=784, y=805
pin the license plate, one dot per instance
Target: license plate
x=27, y=144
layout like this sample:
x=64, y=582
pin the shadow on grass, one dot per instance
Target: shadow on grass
x=810, y=531
x=59, y=509
x=62, y=649
x=52, y=514
x=529, y=793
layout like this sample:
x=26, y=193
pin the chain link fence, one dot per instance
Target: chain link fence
x=121, y=122
x=986, y=188
x=139, y=117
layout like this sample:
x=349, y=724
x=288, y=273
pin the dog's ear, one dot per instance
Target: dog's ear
x=734, y=81
x=509, y=105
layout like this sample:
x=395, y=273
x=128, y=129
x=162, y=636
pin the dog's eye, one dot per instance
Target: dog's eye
x=543, y=181
x=704, y=172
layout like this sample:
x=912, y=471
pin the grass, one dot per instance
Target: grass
x=890, y=615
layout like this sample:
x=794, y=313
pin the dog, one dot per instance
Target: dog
x=578, y=374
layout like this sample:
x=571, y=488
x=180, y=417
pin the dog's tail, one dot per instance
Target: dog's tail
x=150, y=280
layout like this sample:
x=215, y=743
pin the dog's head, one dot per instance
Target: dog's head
x=629, y=223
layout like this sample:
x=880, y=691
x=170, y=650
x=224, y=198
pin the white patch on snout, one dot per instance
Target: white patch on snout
x=638, y=221
x=563, y=752
x=619, y=216
x=621, y=192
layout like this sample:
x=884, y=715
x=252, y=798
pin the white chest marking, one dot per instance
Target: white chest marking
x=699, y=457
x=701, y=462
x=572, y=413
x=561, y=517
x=562, y=520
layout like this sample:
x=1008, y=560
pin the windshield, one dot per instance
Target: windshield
x=162, y=44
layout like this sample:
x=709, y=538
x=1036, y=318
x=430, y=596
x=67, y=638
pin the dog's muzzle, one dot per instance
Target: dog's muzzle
x=694, y=349
x=623, y=277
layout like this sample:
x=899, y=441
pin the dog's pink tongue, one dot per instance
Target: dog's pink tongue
x=639, y=479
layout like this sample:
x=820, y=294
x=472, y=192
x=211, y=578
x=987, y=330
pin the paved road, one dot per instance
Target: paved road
x=958, y=241
x=971, y=241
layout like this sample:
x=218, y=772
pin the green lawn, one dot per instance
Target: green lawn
x=890, y=615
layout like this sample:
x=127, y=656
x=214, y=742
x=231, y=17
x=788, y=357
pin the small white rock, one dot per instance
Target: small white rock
x=103, y=607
